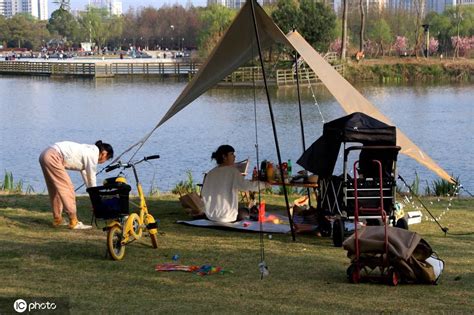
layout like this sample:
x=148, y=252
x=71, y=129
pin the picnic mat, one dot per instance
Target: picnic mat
x=245, y=225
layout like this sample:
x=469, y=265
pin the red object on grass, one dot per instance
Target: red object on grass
x=261, y=212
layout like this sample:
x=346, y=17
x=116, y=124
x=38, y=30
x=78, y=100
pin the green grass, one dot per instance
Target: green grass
x=306, y=276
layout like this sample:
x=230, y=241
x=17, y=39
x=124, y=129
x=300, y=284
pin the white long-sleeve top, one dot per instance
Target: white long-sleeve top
x=80, y=157
x=220, y=192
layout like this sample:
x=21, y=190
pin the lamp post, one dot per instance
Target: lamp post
x=426, y=27
x=172, y=33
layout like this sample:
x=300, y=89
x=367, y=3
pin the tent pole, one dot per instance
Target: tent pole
x=299, y=101
x=301, y=116
x=290, y=218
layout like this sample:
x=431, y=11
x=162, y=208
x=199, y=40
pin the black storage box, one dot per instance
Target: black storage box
x=110, y=201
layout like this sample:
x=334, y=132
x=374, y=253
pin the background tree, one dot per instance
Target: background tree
x=115, y=32
x=362, y=25
x=130, y=29
x=380, y=33
x=63, y=24
x=317, y=22
x=286, y=15
x=4, y=31
x=147, y=26
x=96, y=25
x=21, y=30
x=40, y=34
x=419, y=6
x=215, y=20
x=345, y=6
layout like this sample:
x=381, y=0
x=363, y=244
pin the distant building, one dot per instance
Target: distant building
x=237, y=4
x=6, y=8
x=37, y=8
x=430, y=5
x=114, y=7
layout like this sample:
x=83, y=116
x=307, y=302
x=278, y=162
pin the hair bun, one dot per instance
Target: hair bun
x=98, y=143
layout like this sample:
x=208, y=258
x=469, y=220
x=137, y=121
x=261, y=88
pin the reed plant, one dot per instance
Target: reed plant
x=185, y=186
x=9, y=185
x=441, y=187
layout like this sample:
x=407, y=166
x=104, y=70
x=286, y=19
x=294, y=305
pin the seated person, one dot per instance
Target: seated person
x=221, y=187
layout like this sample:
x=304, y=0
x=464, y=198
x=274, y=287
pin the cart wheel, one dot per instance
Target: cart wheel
x=393, y=277
x=338, y=232
x=114, y=245
x=353, y=273
x=402, y=223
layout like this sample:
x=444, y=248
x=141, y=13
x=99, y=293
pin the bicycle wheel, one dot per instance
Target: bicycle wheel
x=136, y=230
x=114, y=245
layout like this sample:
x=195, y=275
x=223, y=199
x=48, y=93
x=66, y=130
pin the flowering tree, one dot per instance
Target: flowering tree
x=462, y=44
x=401, y=45
x=433, y=45
x=370, y=48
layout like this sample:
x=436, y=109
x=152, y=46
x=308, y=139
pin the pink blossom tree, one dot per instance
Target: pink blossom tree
x=433, y=45
x=462, y=45
x=401, y=45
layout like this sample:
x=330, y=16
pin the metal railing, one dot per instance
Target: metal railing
x=242, y=76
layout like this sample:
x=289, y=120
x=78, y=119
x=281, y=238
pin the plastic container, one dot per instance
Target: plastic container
x=270, y=171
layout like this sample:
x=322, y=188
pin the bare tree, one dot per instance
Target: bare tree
x=345, y=5
x=419, y=6
x=362, y=25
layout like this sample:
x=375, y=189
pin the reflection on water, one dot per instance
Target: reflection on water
x=37, y=111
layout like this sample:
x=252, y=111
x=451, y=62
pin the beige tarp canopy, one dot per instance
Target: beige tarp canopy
x=238, y=46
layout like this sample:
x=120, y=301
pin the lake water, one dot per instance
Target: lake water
x=38, y=111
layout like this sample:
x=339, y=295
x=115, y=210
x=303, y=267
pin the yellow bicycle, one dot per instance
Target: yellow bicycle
x=110, y=202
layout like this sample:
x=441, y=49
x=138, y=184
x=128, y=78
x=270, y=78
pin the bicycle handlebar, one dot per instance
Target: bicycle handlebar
x=111, y=167
x=119, y=164
x=151, y=157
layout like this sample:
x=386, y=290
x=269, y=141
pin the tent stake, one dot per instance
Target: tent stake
x=290, y=218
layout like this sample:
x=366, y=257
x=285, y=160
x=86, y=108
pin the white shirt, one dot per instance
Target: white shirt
x=80, y=157
x=220, y=192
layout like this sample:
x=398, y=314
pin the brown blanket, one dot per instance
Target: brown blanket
x=407, y=251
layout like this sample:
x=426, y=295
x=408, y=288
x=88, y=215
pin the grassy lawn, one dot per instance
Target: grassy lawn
x=306, y=276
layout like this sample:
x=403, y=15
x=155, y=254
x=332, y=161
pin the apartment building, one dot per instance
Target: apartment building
x=37, y=8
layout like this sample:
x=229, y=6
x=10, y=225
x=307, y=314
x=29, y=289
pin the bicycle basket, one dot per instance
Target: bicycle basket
x=111, y=201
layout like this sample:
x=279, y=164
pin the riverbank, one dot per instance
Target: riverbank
x=410, y=70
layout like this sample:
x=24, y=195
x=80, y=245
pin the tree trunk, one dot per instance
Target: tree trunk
x=362, y=25
x=419, y=7
x=344, y=30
